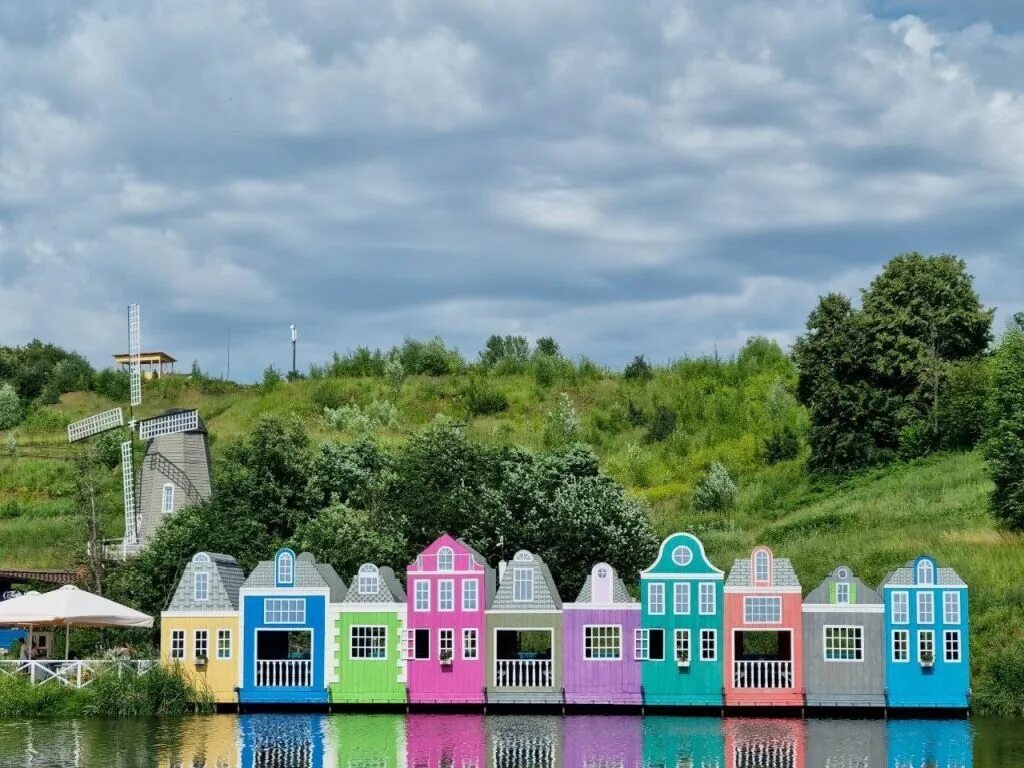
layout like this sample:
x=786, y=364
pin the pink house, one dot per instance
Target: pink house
x=448, y=588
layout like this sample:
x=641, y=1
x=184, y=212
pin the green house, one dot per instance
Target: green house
x=368, y=741
x=681, y=619
x=368, y=624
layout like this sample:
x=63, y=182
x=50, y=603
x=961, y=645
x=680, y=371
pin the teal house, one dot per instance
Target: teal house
x=681, y=626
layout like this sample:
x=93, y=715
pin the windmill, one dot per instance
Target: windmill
x=168, y=424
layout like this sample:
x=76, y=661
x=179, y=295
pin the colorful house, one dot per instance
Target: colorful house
x=293, y=740
x=844, y=656
x=368, y=741
x=452, y=741
x=603, y=741
x=369, y=622
x=927, y=661
x=600, y=665
x=285, y=637
x=538, y=745
x=769, y=743
x=199, y=629
x=449, y=586
x=524, y=629
x=679, y=642
x=764, y=631
x=683, y=742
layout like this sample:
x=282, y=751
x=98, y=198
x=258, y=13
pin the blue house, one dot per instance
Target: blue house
x=286, y=639
x=927, y=660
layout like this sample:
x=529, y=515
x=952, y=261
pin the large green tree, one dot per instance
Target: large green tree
x=1004, y=445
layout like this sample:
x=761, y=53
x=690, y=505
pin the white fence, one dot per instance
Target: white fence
x=74, y=674
x=523, y=673
x=284, y=673
x=762, y=674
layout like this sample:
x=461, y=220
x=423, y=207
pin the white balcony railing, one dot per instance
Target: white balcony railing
x=73, y=674
x=762, y=674
x=284, y=673
x=523, y=673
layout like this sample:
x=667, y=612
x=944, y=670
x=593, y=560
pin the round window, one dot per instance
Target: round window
x=602, y=573
x=842, y=573
x=682, y=555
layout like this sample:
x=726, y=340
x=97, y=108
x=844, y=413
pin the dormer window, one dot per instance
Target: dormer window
x=762, y=567
x=925, y=572
x=369, y=579
x=843, y=593
x=522, y=556
x=285, y=569
x=201, y=586
x=522, y=585
x=167, y=502
x=445, y=559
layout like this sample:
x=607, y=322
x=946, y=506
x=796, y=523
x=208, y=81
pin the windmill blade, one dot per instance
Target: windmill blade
x=131, y=534
x=94, y=425
x=169, y=424
x=135, y=354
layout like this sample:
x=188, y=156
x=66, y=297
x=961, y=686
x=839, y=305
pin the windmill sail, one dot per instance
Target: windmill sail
x=169, y=424
x=94, y=425
x=134, y=354
x=131, y=533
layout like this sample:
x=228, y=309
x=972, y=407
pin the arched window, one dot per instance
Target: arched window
x=522, y=556
x=167, y=502
x=285, y=568
x=369, y=579
x=682, y=555
x=445, y=559
x=201, y=558
x=762, y=567
x=925, y=572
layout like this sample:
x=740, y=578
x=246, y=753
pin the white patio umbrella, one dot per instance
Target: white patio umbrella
x=69, y=606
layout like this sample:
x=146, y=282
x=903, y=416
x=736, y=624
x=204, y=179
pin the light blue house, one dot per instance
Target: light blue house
x=927, y=660
x=286, y=639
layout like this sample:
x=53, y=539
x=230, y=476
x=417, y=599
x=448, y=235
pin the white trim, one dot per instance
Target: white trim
x=650, y=600
x=450, y=582
x=195, y=586
x=700, y=602
x=714, y=633
x=917, y=607
x=199, y=615
x=476, y=594
x=761, y=589
x=935, y=654
x=959, y=646
x=411, y=572
x=556, y=663
x=906, y=621
x=687, y=535
x=416, y=597
x=892, y=646
x=959, y=608
x=583, y=639
x=520, y=611
x=338, y=609
x=675, y=598
x=231, y=644
x=676, y=634
x=476, y=635
x=923, y=586
x=683, y=576
x=348, y=641
x=848, y=608
x=633, y=606
x=312, y=654
x=824, y=644
x=748, y=622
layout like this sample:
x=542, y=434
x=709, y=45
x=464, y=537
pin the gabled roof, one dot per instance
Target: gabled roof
x=226, y=578
x=863, y=594
x=309, y=574
x=783, y=574
x=389, y=589
x=944, y=577
x=545, y=593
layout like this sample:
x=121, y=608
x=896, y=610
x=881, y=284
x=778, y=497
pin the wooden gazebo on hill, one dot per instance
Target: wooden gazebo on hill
x=154, y=364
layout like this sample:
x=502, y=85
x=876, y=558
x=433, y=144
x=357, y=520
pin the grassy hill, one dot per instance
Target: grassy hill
x=724, y=411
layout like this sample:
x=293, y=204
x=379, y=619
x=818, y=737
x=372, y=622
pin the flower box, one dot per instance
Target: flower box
x=446, y=661
x=200, y=661
x=927, y=660
x=683, y=662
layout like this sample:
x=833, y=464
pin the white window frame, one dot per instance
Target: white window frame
x=421, y=595
x=712, y=636
x=205, y=580
x=842, y=593
x=925, y=596
x=471, y=597
x=682, y=555
x=951, y=608
x=855, y=642
x=681, y=598
x=921, y=633
x=656, y=598
x=926, y=573
x=708, y=603
x=222, y=636
x=951, y=634
x=448, y=563
x=285, y=565
x=762, y=558
x=285, y=610
x=408, y=650
x=750, y=601
x=905, y=635
x=900, y=600
x=446, y=586
x=177, y=644
x=467, y=633
x=449, y=635
x=641, y=644
x=167, y=499
x=368, y=579
x=522, y=584
x=201, y=640
x=680, y=640
x=604, y=637
x=367, y=638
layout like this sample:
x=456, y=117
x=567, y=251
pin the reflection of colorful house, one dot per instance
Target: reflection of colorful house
x=928, y=653
x=445, y=741
x=286, y=643
x=524, y=632
x=213, y=743
x=538, y=745
x=295, y=741
x=681, y=626
x=449, y=586
x=765, y=743
x=683, y=742
x=199, y=629
x=369, y=622
x=764, y=627
x=845, y=743
x=844, y=664
x=368, y=741
x=600, y=665
x=608, y=742
x=931, y=744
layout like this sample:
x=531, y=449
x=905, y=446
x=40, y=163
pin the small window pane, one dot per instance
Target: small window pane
x=602, y=642
x=368, y=642
x=762, y=610
x=223, y=643
x=844, y=644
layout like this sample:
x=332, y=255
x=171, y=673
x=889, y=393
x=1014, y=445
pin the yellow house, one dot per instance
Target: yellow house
x=213, y=742
x=199, y=630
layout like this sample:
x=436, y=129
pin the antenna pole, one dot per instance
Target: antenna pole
x=295, y=338
x=228, y=376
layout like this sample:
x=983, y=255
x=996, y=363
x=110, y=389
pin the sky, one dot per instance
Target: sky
x=665, y=178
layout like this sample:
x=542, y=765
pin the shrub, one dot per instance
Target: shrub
x=561, y=423
x=11, y=412
x=351, y=418
x=545, y=370
x=635, y=414
x=782, y=444
x=482, y=399
x=328, y=393
x=662, y=425
x=11, y=445
x=108, y=448
x=916, y=439
x=638, y=370
x=394, y=373
x=271, y=379
x=716, y=492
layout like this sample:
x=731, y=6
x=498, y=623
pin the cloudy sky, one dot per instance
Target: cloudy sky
x=656, y=177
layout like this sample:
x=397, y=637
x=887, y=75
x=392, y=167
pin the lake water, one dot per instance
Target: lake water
x=508, y=741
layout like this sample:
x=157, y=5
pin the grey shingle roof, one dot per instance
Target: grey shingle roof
x=545, y=593
x=944, y=577
x=619, y=592
x=308, y=575
x=783, y=574
x=226, y=577
x=389, y=589
x=822, y=594
x=490, y=577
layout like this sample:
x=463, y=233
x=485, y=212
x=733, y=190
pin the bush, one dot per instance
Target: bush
x=271, y=379
x=430, y=358
x=663, y=424
x=394, y=372
x=108, y=448
x=967, y=392
x=379, y=414
x=638, y=370
x=545, y=370
x=111, y=384
x=916, y=439
x=11, y=412
x=635, y=414
x=716, y=492
x=482, y=399
x=10, y=445
x=328, y=393
x=782, y=444
x=561, y=423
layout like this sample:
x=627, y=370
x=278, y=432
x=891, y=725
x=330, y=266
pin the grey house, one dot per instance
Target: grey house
x=175, y=473
x=844, y=656
x=524, y=628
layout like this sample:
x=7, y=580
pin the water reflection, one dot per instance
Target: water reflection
x=475, y=741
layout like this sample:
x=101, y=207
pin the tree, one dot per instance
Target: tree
x=546, y=345
x=11, y=412
x=346, y=538
x=1004, y=443
x=394, y=372
x=638, y=370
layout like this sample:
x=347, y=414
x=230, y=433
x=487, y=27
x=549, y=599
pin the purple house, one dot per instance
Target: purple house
x=600, y=666
x=600, y=741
